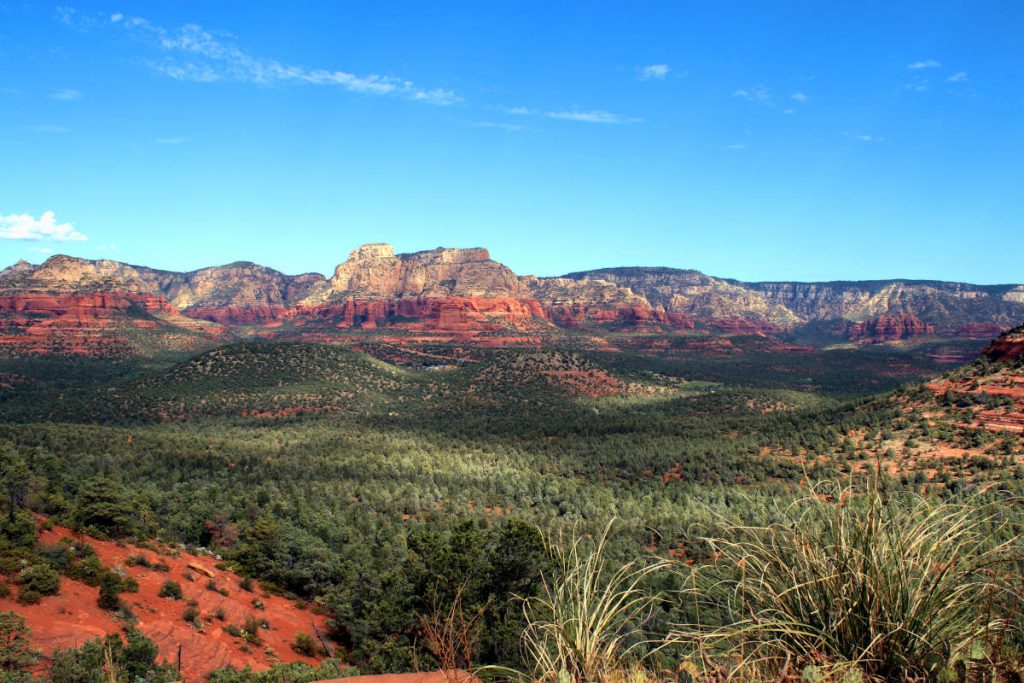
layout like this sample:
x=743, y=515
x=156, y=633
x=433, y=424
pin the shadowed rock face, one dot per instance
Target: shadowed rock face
x=465, y=291
x=886, y=328
x=1009, y=346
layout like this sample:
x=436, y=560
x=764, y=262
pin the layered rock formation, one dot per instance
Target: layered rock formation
x=1009, y=346
x=463, y=292
x=886, y=328
x=441, y=289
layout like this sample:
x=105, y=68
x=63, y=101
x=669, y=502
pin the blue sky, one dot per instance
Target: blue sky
x=757, y=140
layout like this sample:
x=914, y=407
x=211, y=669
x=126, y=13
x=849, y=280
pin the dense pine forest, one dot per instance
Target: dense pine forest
x=397, y=491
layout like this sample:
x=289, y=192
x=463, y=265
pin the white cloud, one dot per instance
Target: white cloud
x=958, y=77
x=195, y=54
x=758, y=93
x=170, y=141
x=869, y=138
x=65, y=95
x=519, y=111
x=788, y=110
x=116, y=17
x=654, y=72
x=46, y=227
x=917, y=84
x=735, y=147
x=925, y=64
x=596, y=116
x=799, y=97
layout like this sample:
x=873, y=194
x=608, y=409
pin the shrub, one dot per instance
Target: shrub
x=27, y=596
x=233, y=630
x=41, y=578
x=191, y=614
x=139, y=561
x=5, y=590
x=88, y=569
x=305, y=644
x=896, y=589
x=258, y=604
x=170, y=589
x=246, y=584
x=110, y=588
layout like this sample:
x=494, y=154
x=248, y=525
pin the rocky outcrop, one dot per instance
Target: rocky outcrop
x=464, y=292
x=886, y=328
x=1009, y=346
x=82, y=307
x=440, y=289
x=696, y=296
x=438, y=313
x=374, y=271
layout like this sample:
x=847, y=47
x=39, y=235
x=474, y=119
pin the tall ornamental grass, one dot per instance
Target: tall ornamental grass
x=851, y=586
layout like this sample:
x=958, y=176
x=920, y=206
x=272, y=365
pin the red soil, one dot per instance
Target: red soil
x=73, y=616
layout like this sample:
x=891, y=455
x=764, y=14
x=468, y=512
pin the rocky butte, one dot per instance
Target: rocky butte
x=74, y=305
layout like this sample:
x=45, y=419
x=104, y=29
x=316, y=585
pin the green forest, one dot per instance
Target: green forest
x=400, y=494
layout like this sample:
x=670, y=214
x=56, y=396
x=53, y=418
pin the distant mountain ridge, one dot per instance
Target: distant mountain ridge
x=464, y=291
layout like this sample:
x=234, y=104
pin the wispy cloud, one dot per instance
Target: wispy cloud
x=653, y=72
x=758, y=93
x=958, y=77
x=799, y=97
x=65, y=95
x=10, y=90
x=193, y=53
x=519, y=111
x=917, y=84
x=512, y=127
x=171, y=141
x=924, y=64
x=735, y=147
x=595, y=116
x=25, y=227
x=46, y=128
x=864, y=137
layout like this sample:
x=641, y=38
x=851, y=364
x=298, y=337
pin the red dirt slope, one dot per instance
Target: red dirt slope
x=73, y=616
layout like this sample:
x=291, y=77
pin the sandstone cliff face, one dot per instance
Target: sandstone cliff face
x=1009, y=346
x=699, y=297
x=441, y=289
x=886, y=328
x=948, y=306
x=574, y=303
x=374, y=270
x=465, y=292
x=240, y=293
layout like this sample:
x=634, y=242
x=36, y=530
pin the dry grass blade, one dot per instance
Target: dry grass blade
x=585, y=625
x=889, y=588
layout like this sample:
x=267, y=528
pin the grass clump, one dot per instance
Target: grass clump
x=849, y=585
x=585, y=624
